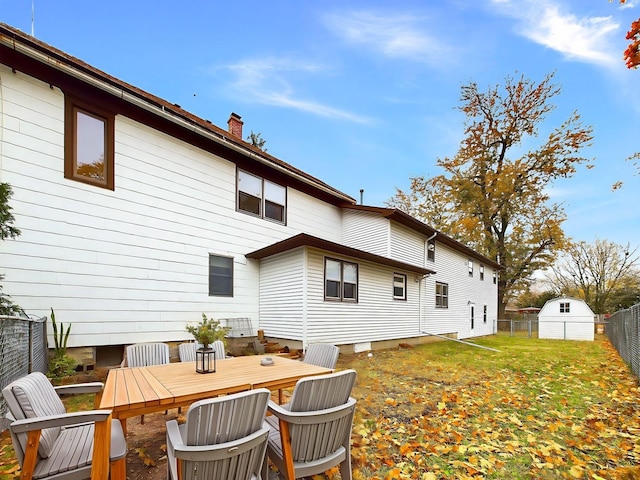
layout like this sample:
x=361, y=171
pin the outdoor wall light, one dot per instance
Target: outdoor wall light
x=205, y=360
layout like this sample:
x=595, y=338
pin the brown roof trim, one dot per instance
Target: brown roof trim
x=415, y=224
x=304, y=240
x=16, y=47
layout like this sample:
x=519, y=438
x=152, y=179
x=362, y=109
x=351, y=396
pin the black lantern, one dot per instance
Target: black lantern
x=205, y=360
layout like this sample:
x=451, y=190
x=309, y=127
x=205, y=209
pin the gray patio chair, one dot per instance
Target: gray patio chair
x=312, y=433
x=319, y=354
x=53, y=444
x=223, y=438
x=322, y=355
x=147, y=354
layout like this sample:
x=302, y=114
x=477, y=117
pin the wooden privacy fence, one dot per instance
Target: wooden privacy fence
x=23, y=349
x=623, y=330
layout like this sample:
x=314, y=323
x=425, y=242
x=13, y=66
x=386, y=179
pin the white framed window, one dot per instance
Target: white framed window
x=484, y=314
x=565, y=307
x=470, y=268
x=260, y=197
x=481, y=270
x=442, y=295
x=495, y=277
x=340, y=280
x=220, y=276
x=399, y=286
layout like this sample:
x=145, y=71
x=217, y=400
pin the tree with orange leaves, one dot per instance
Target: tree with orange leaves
x=632, y=53
x=493, y=195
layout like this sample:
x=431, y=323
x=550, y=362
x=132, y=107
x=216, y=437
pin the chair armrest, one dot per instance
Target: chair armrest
x=218, y=451
x=91, y=387
x=66, y=419
x=313, y=416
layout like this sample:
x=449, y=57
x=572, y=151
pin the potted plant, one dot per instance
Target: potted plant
x=205, y=333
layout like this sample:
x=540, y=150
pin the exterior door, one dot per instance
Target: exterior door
x=472, y=311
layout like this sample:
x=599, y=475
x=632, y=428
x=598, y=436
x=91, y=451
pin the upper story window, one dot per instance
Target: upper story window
x=340, y=280
x=261, y=197
x=442, y=295
x=481, y=272
x=431, y=250
x=495, y=277
x=471, y=268
x=88, y=144
x=220, y=276
x=565, y=307
x=399, y=286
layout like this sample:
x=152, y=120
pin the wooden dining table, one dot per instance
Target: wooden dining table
x=133, y=391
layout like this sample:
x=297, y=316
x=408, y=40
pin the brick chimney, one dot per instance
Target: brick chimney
x=235, y=125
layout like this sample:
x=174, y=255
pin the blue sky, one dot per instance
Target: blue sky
x=363, y=94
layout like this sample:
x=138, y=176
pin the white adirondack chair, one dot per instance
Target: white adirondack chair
x=223, y=438
x=312, y=433
x=63, y=442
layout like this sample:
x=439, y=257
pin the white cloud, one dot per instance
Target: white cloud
x=392, y=35
x=270, y=82
x=585, y=39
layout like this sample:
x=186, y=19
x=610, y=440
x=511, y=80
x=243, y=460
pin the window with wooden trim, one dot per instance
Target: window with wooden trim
x=431, y=250
x=399, y=286
x=442, y=295
x=470, y=264
x=565, y=307
x=261, y=197
x=481, y=272
x=340, y=280
x=220, y=276
x=88, y=143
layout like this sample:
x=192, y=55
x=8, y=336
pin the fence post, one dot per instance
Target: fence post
x=511, y=328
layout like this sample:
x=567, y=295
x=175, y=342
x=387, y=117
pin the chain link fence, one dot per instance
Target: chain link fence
x=623, y=330
x=23, y=349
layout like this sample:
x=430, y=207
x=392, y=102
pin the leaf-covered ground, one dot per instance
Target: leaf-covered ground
x=538, y=409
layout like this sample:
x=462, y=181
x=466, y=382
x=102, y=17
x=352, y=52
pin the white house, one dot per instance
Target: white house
x=138, y=216
x=566, y=318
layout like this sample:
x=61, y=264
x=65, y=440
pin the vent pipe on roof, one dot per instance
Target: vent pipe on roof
x=361, y=195
x=235, y=125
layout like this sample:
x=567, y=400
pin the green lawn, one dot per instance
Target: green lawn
x=537, y=409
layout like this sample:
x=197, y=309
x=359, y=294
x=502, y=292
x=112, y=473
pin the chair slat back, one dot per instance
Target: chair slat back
x=219, y=347
x=317, y=440
x=33, y=396
x=322, y=355
x=224, y=419
x=187, y=352
x=146, y=354
x=322, y=391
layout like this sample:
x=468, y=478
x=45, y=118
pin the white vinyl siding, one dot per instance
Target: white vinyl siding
x=366, y=231
x=407, y=245
x=128, y=265
x=452, y=268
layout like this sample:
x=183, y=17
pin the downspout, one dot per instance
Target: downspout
x=305, y=259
